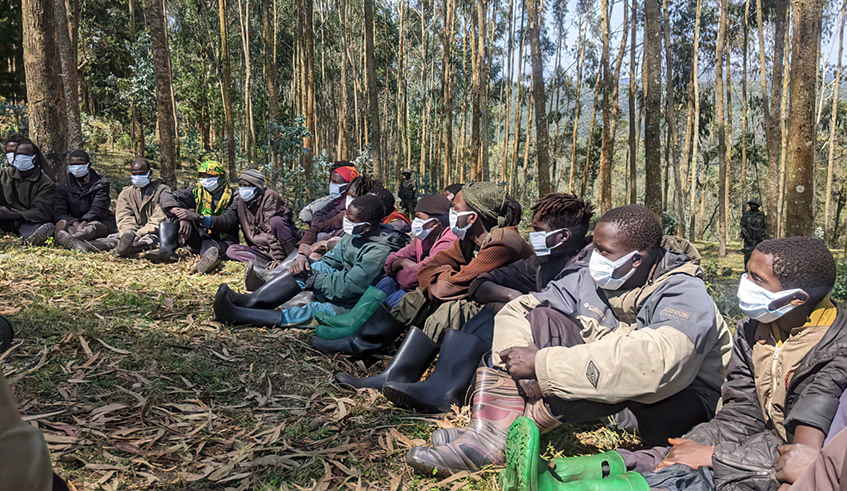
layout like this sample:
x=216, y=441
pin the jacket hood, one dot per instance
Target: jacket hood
x=391, y=237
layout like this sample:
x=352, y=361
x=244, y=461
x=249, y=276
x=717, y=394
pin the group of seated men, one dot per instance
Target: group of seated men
x=567, y=328
x=564, y=328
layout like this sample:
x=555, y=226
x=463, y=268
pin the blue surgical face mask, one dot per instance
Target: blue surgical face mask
x=247, y=193
x=24, y=162
x=141, y=181
x=603, y=270
x=335, y=190
x=78, y=170
x=210, y=183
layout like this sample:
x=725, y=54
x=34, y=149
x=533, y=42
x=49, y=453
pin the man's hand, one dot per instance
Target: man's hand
x=520, y=362
x=184, y=214
x=687, y=452
x=318, y=247
x=299, y=265
x=793, y=461
x=184, y=228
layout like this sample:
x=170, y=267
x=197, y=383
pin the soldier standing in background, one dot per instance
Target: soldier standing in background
x=408, y=193
x=752, y=228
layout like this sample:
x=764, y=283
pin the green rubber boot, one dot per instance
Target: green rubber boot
x=527, y=471
x=366, y=306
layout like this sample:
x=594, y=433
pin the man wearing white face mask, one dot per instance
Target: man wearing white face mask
x=636, y=329
x=197, y=215
x=81, y=210
x=9, y=147
x=26, y=196
x=786, y=374
x=265, y=221
x=139, y=212
x=341, y=175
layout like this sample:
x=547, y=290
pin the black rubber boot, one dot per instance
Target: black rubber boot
x=378, y=332
x=67, y=241
x=168, y=244
x=7, y=334
x=270, y=295
x=408, y=364
x=226, y=311
x=448, y=383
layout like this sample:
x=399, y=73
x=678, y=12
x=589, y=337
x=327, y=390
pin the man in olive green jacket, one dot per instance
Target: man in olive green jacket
x=26, y=196
x=138, y=212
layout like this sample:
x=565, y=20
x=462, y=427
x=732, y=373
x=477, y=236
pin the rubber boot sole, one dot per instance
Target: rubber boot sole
x=523, y=447
x=40, y=236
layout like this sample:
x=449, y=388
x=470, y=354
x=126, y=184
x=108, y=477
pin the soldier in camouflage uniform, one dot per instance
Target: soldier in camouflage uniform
x=752, y=228
x=408, y=194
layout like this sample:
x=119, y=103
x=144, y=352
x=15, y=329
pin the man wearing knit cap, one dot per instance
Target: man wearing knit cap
x=265, y=222
x=432, y=234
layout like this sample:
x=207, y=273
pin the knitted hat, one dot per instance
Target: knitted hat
x=347, y=173
x=254, y=177
x=486, y=198
x=433, y=204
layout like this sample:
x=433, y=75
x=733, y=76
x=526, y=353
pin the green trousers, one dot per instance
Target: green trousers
x=434, y=316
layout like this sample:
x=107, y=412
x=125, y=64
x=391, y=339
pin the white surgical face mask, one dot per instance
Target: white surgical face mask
x=247, y=193
x=10, y=157
x=335, y=190
x=755, y=301
x=354, y=229
x=602, y=270
x=24, y=162
x=347, y=201
x=78, y=170
x=539, y=242
x=141, y=181
x=454, y=220
x=210, y=183
x=418, y=228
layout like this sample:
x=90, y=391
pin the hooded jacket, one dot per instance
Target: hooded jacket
x=746, y=447
x=139, y=210
x=31, y=196
x=642, y=345
x=87, y=202
x=358, y=263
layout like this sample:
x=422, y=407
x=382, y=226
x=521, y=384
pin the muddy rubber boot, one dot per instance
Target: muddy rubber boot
x=7, y=334
x=363, y=309
x=409, y=363
x=168, y=244
x=497, y=403
x=378, y=332
x=209, y=261
x=67, y=241
x=254, y=276
x=40, y=236
x=125, y=245
x=226, y=311
x=448, y=383
x=273, y=293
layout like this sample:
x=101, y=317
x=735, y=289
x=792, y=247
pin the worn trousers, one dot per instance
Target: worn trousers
x=284, y=233
x=523, y=322
x=434, y=316
x=24, y=229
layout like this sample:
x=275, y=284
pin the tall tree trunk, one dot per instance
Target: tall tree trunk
x=343, y=148
x=590, y=141
x=164, y=105
x=695, y=131
x=539, y=97
x=783, y=153
x=652, y=73
x=48, y=126
x=670, y=110
x=504, y=176
x=800, y=173
x=774, y=102
x=607, y=144
x=831, y=161
x=633, y=141
x=136, y=128
x=477, y=81
x=744, y=105
x=519, y=105
x=719, y=92
x=447, y=82
x=270, y=75
x=578, y=106
x=373, y=95
x=425, y=100
x=730, y=174
x=226, y=89
x=311, y=142
x=69, y=75
x=250, y=132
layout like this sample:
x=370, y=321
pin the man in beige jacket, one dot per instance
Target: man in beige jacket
x=138, y=212
x=634, y=330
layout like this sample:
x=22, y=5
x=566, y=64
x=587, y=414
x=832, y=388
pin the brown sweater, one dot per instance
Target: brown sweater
x=449, y=273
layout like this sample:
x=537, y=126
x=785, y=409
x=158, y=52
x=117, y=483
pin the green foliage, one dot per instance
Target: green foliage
x=839, y=291
x=12, y=119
